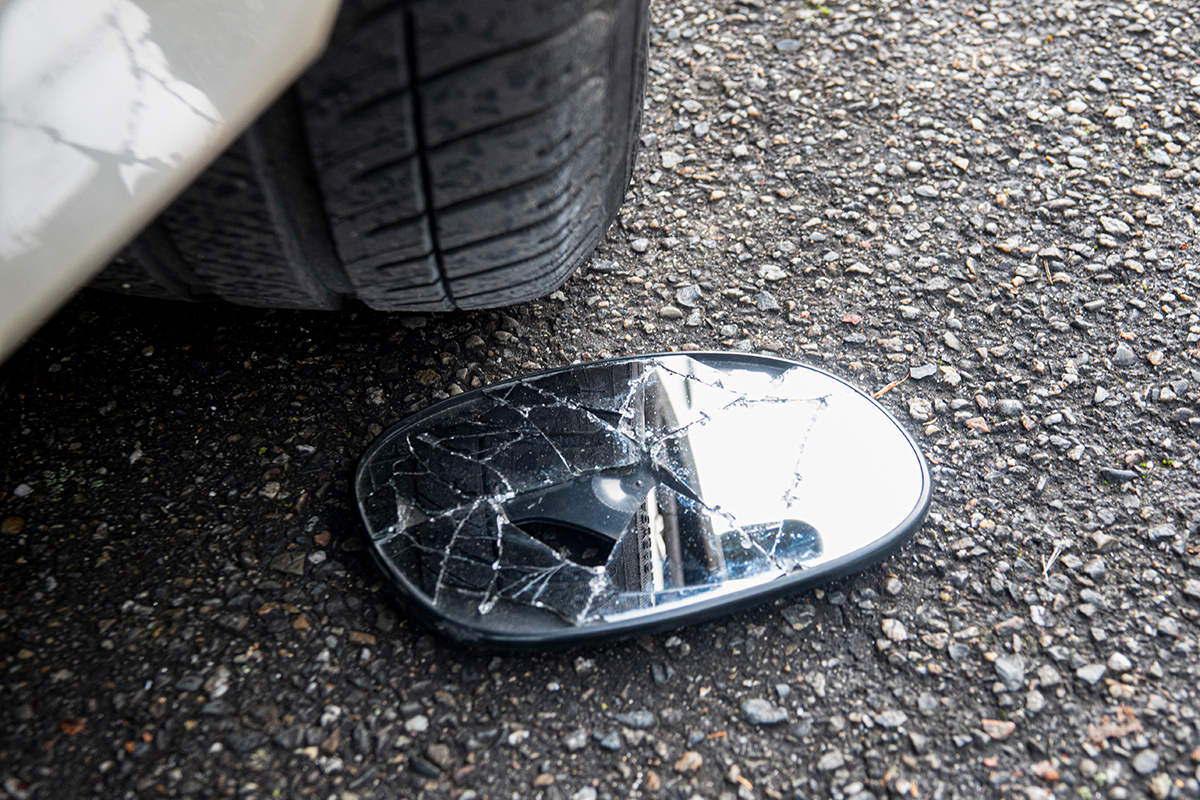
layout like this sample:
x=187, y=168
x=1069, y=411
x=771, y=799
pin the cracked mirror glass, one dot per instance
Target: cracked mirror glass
x=611, y=498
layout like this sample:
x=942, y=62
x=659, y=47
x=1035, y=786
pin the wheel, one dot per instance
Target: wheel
x=442, y=154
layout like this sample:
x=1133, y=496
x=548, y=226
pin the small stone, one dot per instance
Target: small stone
x=1114, y=226
x=1166, y=530
x=1168, y=626
x=1048, y=676
x=894, y=629
x=1090, y=673
x=23, y=490
x=245, y=741
x=1192, y=588
x=788, y=45
x=218, y=683
x=440, y=754
x=1011, y=671
x=762, y=712
x=639, y=245
x=926, y=190
x=892, y=718
x=1119, y=662
x=1076, y=107
x=920, y=409
x=1123, y=357
x=189, y=683
x=671, y=159
x=418, y=724
x=292, y=562
x=689, y=296
x=998, y=729
x=12, y=526
x=638, y=720
x=977, y=424
x=1009, y=407
x=831, y=761
x=923, y=371
x=576, y=741
x=772, y=273
x=1155, y=357
x=689, y=762
x=766, y=301
x=670, y=312
x=1145, y=762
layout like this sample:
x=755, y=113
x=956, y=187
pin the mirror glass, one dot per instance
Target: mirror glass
x=615, y=497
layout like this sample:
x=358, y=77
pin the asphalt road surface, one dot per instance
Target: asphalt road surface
x=993, y=203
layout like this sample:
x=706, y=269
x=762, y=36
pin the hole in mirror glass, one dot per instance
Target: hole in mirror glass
x=614, y=498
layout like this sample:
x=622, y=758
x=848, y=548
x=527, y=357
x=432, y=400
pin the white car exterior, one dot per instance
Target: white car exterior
x=108, y=108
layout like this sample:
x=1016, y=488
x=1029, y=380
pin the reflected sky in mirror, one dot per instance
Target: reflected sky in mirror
x=614, y=490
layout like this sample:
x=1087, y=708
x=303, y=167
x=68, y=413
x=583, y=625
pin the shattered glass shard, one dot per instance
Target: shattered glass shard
x=599, y=499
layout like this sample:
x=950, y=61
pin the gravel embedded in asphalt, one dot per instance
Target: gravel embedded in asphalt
x=998, y=201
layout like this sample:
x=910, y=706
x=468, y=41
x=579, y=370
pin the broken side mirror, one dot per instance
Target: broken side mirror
x=615, y=498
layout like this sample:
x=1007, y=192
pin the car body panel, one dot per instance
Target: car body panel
x=109, y=108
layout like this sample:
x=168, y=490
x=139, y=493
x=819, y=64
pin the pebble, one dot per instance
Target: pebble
x=765, y=301
x=923, y=371
x=762, y=712
x=1114, y=226
x=1119, y=662
x=689, y=762
x=670, y=312
x=1123, y=357
x=1009, y=407
x=576, y=740
x=998, y=728
x=1011, y=671
x=1090, y=673
x=920, y=409
x=689, y=296
x=1145, y=762
x=638, y=720
x=830, y=761
x=640, y=245
x=892, y=718
x=894, y=629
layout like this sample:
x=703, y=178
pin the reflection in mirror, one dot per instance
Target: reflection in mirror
x=613, y=497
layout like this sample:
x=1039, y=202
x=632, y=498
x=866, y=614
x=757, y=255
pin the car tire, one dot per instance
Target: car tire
x=441, y=155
